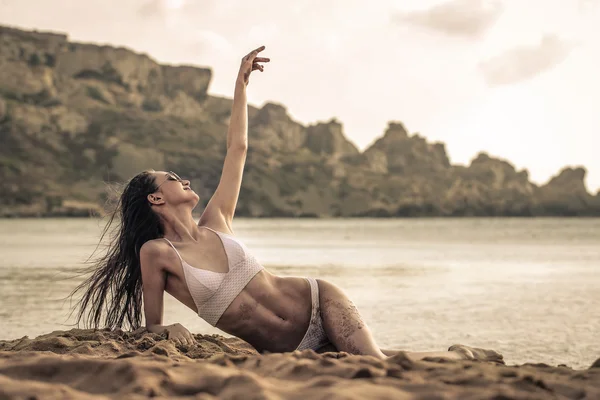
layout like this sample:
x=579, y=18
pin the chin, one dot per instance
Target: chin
x=190, y=198
x=196, y=199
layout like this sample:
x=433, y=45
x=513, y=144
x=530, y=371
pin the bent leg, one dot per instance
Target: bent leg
x=347, y=331
x=419, y=355
x=343, y=324
x=455, y=352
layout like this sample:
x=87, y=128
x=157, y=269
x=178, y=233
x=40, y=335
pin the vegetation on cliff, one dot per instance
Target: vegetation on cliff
x=76, y=116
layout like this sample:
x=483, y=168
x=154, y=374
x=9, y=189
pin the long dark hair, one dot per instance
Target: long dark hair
x=114, y=287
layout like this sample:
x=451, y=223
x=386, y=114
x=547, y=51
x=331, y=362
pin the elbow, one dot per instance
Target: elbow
x=238, y=147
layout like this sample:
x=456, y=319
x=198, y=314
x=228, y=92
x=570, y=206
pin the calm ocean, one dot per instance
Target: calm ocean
x=529, y=288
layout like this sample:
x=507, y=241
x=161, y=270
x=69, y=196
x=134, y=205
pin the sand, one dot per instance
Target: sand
x=87, y=364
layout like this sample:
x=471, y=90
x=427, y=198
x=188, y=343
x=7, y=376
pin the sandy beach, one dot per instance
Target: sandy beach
x=88, y=364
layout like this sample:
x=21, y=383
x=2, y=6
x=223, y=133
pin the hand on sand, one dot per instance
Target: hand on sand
x=250, y=63
x=473, y=353
x=180, y=335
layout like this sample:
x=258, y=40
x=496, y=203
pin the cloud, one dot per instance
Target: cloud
x=524, y=62
x=151, y=8
x=162, y=8
x=464, y=18
x=210, y=41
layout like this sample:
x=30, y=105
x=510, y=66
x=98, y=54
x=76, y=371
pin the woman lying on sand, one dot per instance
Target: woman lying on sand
x=159, y=247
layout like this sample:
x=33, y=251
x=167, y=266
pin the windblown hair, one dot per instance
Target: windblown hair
x=113, y=289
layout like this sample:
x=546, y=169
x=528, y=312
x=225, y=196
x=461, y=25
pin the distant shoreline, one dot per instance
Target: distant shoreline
x=77, y=118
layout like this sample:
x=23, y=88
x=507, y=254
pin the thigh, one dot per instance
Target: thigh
x=343, y=324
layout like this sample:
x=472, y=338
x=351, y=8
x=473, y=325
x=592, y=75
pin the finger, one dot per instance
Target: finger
x=257, y=66
x=262, y=59
x=254, y=52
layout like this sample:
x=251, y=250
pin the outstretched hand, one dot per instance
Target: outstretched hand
x=251, y=62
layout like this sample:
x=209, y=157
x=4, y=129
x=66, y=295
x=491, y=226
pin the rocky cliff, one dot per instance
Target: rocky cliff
x=76, y=116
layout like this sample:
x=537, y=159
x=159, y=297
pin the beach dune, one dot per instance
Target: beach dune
x=94, y=364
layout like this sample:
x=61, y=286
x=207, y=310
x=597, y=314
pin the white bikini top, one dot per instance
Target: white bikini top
x=213, y=291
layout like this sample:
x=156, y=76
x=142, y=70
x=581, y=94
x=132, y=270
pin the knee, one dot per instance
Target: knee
x=328, y=293
x=328, y=287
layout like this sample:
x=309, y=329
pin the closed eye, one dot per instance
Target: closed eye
x=174, y=177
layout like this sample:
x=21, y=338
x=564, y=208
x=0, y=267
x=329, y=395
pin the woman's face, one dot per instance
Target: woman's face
x=173, y=190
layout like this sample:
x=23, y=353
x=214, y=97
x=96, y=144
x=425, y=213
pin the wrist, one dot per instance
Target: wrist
x=240, y=84
x=156, y=328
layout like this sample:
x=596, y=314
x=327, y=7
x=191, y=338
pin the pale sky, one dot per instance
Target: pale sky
x=515, y=78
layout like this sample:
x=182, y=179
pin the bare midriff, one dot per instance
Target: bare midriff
x=271, y=313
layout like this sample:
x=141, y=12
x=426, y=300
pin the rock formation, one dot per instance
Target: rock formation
x=76, y=116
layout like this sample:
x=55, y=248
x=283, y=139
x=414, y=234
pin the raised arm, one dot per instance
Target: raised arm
x=221, y=206
x=154, y=279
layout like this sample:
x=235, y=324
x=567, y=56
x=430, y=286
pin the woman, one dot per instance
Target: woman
x=159, y=247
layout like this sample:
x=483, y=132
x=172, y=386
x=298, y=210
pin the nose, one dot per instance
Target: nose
x=185, y=182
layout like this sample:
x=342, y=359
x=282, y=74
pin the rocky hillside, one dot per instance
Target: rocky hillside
x=75, y=116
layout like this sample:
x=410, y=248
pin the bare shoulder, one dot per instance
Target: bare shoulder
x=155, y=254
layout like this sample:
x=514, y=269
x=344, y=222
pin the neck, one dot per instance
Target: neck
x=179, y=225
